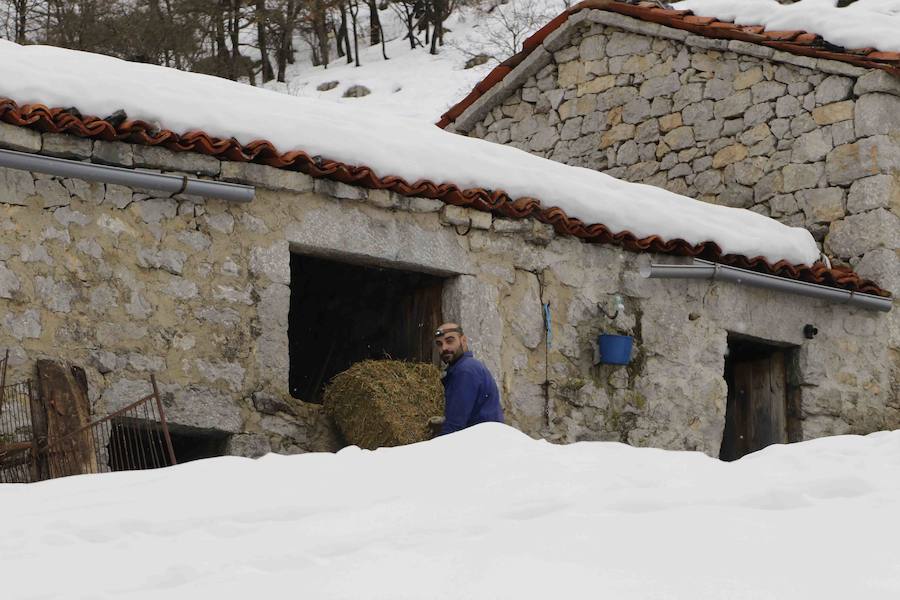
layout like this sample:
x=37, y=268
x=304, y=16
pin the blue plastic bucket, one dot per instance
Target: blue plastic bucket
x=615, y=349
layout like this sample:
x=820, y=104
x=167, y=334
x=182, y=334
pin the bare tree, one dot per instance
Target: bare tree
x=353, y=6
x=410, y=11
x=505, y=26
x=262, y=40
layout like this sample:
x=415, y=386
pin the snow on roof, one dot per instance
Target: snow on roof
x=389, y=145
x=863, y=24
x=483, y=513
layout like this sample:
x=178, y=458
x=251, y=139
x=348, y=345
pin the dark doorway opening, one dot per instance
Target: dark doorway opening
x=343, y=313
x=763, y=400
x=135, y=445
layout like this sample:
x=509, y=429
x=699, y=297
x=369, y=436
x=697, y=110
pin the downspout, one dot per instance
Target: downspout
x=702, y=269
x=171, y=184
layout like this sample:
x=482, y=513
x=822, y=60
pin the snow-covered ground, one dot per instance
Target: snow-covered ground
x=482, y=514
x=414, y=83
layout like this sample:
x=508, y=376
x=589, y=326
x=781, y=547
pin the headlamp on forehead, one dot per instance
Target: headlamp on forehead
x=443, y=332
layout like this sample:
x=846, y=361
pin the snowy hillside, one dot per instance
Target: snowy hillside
x=414, y=83
x=484, y=513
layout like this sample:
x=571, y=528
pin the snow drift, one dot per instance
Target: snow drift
x=484, y=513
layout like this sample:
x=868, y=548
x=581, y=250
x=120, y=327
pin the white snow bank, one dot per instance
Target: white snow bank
x=391, y=145
x=484, y=513
x=863, y=24
x=412, y=83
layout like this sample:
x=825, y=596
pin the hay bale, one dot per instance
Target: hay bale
x=377, y=403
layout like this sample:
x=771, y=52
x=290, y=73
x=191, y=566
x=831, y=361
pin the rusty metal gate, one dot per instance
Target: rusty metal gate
x=133, y=437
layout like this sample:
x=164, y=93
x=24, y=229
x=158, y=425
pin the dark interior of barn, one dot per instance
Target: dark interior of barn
x=343, y=313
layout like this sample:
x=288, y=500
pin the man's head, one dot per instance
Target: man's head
x=451, y=342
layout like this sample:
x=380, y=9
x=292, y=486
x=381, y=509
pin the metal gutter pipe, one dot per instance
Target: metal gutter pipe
x=702, y=269
x=171, y=184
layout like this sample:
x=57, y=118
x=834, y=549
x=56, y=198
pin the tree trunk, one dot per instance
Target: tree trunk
x=374, y=23
x=344, y=32
x=410, y=30
x=21, y=20
x=437, y=21
x=338, y=40
x=234, y=30
x=283, y=48
x=221, y=46
x=320, y=29
x=354, y=11
x=262, y=18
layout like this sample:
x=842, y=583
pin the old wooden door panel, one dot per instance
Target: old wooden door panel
x=63, y=400
x=421, y=315
x=759, y=404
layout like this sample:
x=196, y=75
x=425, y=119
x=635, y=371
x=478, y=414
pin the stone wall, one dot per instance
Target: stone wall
x=810, y=142
x=126, y=283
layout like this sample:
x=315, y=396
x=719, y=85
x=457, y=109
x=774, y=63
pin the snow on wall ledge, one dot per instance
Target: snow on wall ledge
x=863, y=24
x=182, y=102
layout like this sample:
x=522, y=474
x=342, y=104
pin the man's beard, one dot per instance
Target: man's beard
x=451, y=357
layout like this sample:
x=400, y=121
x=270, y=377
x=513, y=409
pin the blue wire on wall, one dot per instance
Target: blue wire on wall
x=547, y=325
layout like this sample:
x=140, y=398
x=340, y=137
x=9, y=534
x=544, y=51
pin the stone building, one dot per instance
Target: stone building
x=244, y=310
x=781, y=123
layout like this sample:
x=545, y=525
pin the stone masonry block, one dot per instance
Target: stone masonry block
x=511, y=225
x=611, y=18
x=627, y=44
x=798, y=177
x=384, y=199
x=422, y=205
x=15, y=186
x=749, y=49
x=878, y=191
x=833, y=113
x=19, y=138
x=455, y=215
x=883, y=267
x=877, y=80
x=877, y=113
x=266, y=176
x=187, y=162
x=834, y=89
x=525, y=69
x=871, y=156
x=822, y=205
x=116, y=154
x=859, y=234
x=707, y=43
x=837, y=67
x=795, y=59
x=336, y=189
x=67, y=146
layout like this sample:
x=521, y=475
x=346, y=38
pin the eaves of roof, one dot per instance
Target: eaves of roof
x=70, y=121
x=796, y=42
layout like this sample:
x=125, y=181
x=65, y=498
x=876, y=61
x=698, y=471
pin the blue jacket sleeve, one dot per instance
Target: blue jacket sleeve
x=460, y=394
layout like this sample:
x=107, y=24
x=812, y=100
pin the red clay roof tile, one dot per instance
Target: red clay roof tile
x=57, y=120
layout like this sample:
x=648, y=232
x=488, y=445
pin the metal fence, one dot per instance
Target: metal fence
x=131, y=438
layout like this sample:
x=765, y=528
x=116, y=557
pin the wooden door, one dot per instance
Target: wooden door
x=756, y=413
x=61, y=416
x=421, y=315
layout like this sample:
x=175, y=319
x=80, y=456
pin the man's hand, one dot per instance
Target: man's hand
x=435, y=424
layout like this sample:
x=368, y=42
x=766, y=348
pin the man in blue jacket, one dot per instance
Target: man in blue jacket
x=470, y=392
